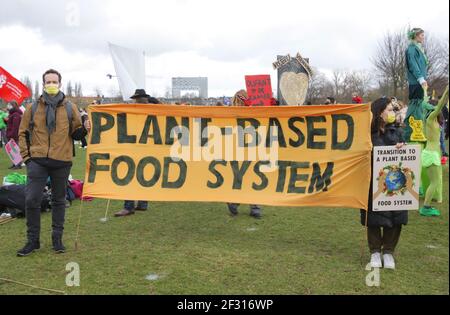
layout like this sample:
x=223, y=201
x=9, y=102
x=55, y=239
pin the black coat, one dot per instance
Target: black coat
x=391, y=136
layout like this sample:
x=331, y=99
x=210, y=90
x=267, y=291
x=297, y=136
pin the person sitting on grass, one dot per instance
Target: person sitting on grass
x=431, y=155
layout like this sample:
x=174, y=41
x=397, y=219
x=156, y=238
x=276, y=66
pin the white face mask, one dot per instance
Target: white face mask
x=9, y=107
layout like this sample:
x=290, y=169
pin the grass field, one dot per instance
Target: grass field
x=197, y=248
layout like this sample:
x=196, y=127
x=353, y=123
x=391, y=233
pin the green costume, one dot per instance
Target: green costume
x=3, y=115
x=431, y=157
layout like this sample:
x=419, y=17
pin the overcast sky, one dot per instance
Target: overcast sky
x=223, y=40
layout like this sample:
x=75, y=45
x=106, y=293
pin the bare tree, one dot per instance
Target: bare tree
x=36, y=90
x=438, y=53
x=78, y=90
x=356, y=81
x=389, y=60
x=26, y=80
x=69, y=89
x=338, y=80
x=319, y=87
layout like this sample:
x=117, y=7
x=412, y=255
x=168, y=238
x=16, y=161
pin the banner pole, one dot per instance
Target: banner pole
x=106, y=212
x=78, y=225
x=364, y=238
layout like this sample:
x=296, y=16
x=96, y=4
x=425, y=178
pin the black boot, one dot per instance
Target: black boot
x=255, y=211
x=233, y=208
x=58, y=246
x=29, y=247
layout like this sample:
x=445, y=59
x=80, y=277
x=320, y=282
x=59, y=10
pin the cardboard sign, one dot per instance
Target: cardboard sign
x=294, y=74
x=13, y=151
x=396, y=178
x=259, y=89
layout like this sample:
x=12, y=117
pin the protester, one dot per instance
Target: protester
x=241, y=99
x=444, y=134
x=140, y=97
x=3, y=119
x=384, y=227
x=13, y=123
x=431, y=155
x=417, y=68
x=330, y=101
x=400, y=110
x=84, y=117
x=46, y=138
x=356, y=99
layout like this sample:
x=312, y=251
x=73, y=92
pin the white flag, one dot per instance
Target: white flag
x=130, y=69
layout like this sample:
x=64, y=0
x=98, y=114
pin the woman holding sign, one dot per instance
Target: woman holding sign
x=383, y=227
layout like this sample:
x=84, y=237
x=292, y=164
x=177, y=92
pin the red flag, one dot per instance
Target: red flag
x=12, y=89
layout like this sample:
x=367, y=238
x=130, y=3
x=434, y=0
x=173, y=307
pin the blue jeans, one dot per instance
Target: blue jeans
x=443, y=149
x=129, y=205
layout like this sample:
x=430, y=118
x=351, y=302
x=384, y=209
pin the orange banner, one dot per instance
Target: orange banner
x=282, y=156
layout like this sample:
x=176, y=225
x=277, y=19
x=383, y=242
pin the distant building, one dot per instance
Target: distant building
x=199, y=84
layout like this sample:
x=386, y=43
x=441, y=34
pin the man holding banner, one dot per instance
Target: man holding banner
x=141, y=97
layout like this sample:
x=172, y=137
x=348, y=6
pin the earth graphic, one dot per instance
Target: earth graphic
x=395, y=180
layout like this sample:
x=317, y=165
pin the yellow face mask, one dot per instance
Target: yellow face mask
x=390, y=118
x=51, y=89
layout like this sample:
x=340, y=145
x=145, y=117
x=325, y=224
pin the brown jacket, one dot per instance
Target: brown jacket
x=58, y=145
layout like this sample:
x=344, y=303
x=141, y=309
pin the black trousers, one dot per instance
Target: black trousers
x=383, y=239
x=37, y=179
x=83, y=142
x=415, y=92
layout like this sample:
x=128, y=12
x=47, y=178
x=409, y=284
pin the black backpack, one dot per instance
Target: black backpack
x=12, y=198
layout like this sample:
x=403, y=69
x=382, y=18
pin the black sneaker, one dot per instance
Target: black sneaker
x=256, y=214
x=58, y=246
x=28, y=248
x=233, y=211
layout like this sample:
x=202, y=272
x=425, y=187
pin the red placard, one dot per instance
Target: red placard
x=12, y=89
x=259, y=89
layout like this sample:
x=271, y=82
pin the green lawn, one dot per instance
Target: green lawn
x=197, y=248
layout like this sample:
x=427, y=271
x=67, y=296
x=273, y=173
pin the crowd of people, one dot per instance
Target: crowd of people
x=47, y=152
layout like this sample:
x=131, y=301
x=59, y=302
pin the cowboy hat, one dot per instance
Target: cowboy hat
x=139, y=93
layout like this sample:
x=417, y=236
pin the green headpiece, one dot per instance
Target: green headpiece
x=414, y=32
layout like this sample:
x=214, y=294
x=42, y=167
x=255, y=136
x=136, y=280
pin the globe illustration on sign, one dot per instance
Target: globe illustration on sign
x=395, y=180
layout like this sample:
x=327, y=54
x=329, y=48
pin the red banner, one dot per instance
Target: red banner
x=259, y=89
x=12, y=89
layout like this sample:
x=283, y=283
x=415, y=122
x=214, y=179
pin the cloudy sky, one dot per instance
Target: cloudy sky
x=223, y=40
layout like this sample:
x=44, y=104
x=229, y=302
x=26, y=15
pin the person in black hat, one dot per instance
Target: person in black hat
x=141, y=97
x=129, y=205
